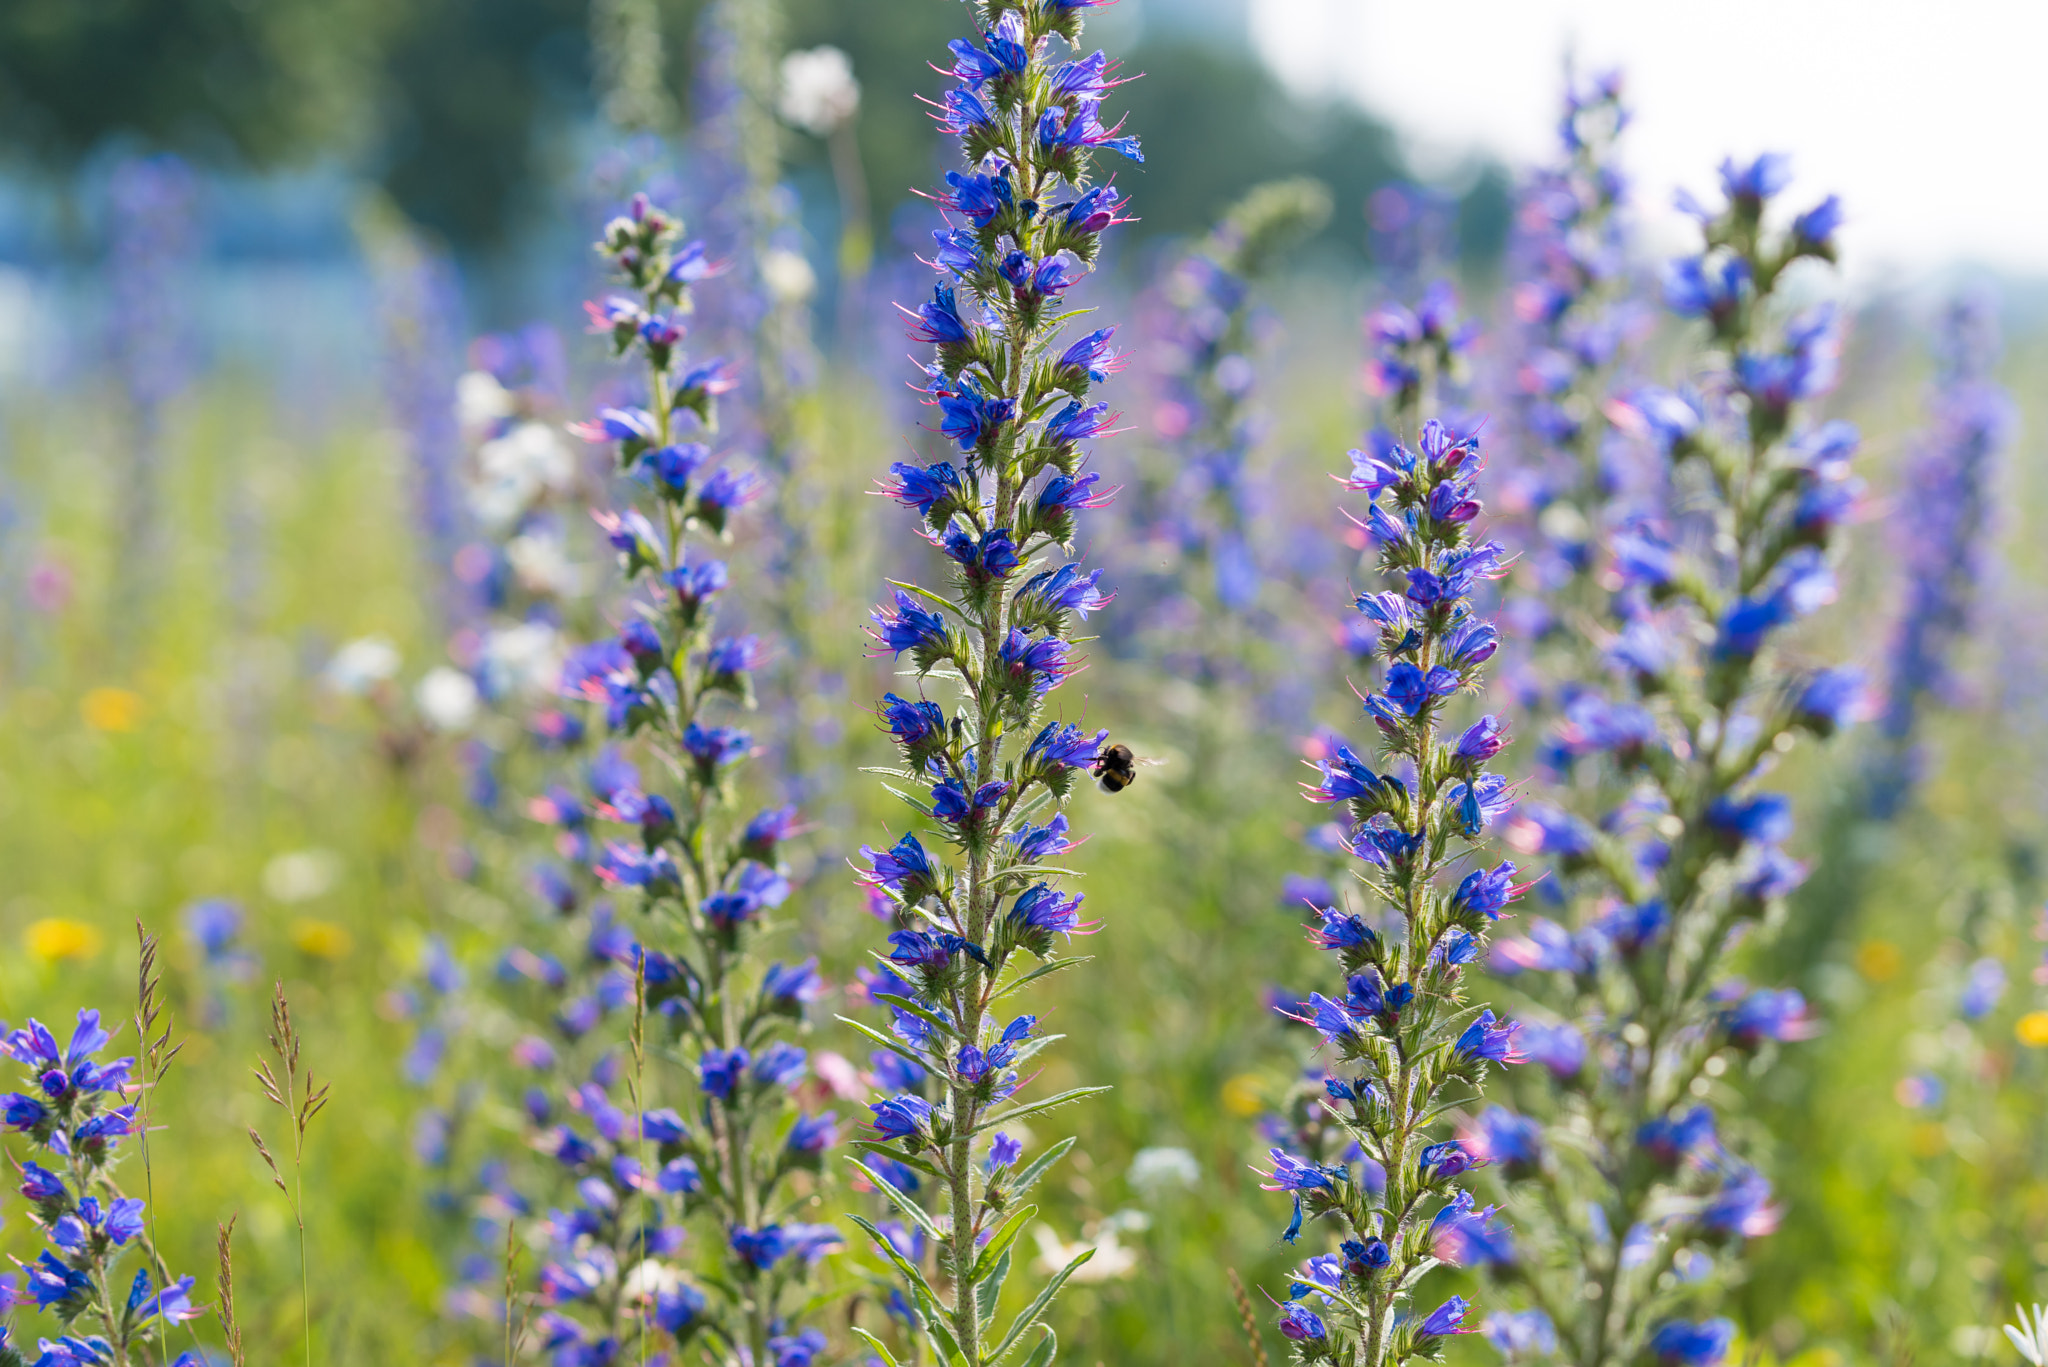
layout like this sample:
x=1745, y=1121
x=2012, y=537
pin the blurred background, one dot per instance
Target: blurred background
x=258, y=692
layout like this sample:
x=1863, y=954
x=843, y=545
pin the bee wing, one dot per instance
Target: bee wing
x=1147, y=761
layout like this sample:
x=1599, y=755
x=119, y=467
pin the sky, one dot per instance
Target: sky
x=1928, y=117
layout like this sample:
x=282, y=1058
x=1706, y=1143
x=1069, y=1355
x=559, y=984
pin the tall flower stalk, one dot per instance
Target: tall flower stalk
x=689, y=976
x=1207, y=416
x=1400, y=1044
x=1025, y=223
x=1572, y=313
x=72, y=1109
x=1944, y=543
x=1661, y=846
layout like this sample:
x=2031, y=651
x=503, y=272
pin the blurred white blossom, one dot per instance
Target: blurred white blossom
x=362, y=664
x=447, y=698
x=819, y=92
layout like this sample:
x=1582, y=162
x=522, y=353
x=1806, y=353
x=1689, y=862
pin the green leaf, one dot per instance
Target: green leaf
x=1000, y=1241
x=1028, y=1175
x=915, y=1008
x=1038, y=1306
x=881, y=1349
x=988, y=1291
x=1045, y=970
x=892, y=1045
x=928, y=1303
x=1041, y=1356
x=908, y=1160
x=901, y=1201
x=1065, y=1098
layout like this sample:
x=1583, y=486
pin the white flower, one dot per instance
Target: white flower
x=301, y=875
x=480, y=400
x=787, y=275
x=447, y=698
x=523, y=659
x=362, y=664
x=542, y=565
x=2030, y=1336
x=514, y=470
x=1111, y=1261
x=818, y=89
x=1155, y=1170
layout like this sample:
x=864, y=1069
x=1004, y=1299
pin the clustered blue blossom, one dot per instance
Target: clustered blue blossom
x=1944, y=539
x=1659, y=841
x=657, y=929
x=1211, y=335
x=975, y=893
x=1569, y=252
x=1400, y=1045
x=75, y=1110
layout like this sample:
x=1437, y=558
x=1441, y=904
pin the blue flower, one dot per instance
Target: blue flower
x=1484, y=1039
x=901, y=1117
x=1447, y=1318
x=781, y=1064
x=1296, y=1174
x=1041, y=912
x=1765, y=819
x=1679, y=1343
x=1039, y=663
x=904, y=868
x=719, y=1071
x=1063, y=746
x=924, y=487
x=939, y=321
x=1066, y=589
x=716, y=745
x=813, y=1134
x=1301, y=1324
x=760, y=1248
x=1521, y=1333
x=910, y=628
x=679, y=1309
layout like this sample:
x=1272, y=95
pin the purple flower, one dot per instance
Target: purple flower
x=1448, y=1318
x=1300, y=1324
x=1295, y=1174
x=1774, y=1014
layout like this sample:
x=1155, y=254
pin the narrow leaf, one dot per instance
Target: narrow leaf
x=1038, y=1306
x=1065, y=1098
x=998, y=1242
x=902, y=1202
x=881, y=1348
x=1028, y=1175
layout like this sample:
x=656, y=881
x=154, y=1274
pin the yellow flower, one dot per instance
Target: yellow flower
x=322, y=939
x=1244, y=1095
x=111, y=709
x=2032, y=1030
x=1879, y=960
x=54, y=938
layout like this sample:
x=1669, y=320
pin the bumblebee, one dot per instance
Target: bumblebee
x=1117, y=768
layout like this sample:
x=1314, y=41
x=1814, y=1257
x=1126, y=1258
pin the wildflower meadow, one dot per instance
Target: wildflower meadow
x=775, y=684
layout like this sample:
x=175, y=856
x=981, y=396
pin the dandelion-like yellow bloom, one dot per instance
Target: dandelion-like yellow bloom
x=322, y=940
x=1244, y=1094
x=1879, y=960
x=111, y=709
x=55, y=938
x=2032, y=1030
